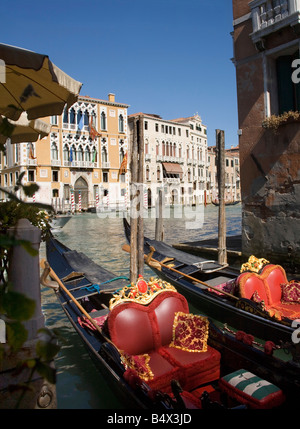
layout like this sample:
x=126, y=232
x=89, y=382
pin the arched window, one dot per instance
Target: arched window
x=73, y=153
x=103, y=121
x=54, y=152
x=79, y=120
x=79, y=154
x=30, y=152
x=66, y=153
x=86, y=118
x=93, y=119
x=121, y=123
x=94, y=156
x=72, y=116
x=66, y=116
x=87, y=154
x=104, y=154
x=167, y=149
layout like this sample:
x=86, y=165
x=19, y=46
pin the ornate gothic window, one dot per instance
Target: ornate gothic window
x=80, y=154
x=54, y=152
x=103, y=121
x=66, y=152
x=121, y=123
x=86, y=118
x=72, y=116
x=87, y=154
x=104, y=154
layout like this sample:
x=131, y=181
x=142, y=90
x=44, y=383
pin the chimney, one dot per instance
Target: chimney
x=111, y=97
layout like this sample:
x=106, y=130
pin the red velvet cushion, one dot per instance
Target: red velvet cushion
x=289, y=310
x=190, y=332
x=163, y=372
x=291, y=292
x=198, y=368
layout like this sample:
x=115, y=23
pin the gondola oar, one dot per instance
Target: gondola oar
x=149, y=258
x=48, y=269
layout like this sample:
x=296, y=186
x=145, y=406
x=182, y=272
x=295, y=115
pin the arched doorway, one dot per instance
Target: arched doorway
x=81, y=186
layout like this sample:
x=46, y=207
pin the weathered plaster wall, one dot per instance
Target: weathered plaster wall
x=271, y=211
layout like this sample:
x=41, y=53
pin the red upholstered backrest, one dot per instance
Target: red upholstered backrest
x=250, y=283
x=267, y=284
x=137, y=329
x=274, y=275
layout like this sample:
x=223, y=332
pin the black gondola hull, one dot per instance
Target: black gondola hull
x=242, y=314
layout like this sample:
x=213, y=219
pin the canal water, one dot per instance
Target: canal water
x=80, y=385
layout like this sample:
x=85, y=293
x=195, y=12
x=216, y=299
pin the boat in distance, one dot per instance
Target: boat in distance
x=133, y=332
x=223, y=292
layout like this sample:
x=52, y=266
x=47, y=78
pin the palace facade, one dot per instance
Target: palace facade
x=84, y=162
x=175, y=154
x=78, y=161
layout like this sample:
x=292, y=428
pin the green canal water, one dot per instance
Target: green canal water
x=80, y=385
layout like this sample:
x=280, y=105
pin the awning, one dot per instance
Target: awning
x=172, y=168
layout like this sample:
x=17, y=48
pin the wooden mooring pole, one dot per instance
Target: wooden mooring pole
x=136, y=201
x=220, y=145
x=159, y=227
x=133, y=196
x=140, y=233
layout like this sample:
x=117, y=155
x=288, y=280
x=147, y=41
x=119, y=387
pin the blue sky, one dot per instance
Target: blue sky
x=169, y=57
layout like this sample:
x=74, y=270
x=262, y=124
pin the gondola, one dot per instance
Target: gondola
x=227, y=203
x=115, y=319
x=214, y=289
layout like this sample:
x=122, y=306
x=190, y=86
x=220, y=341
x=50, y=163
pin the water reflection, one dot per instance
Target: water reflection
x=79, y=383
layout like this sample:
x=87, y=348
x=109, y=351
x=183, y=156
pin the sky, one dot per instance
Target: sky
x=168, y=57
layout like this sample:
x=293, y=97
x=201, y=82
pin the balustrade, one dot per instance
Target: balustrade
x=80, y=164
x=270, y=15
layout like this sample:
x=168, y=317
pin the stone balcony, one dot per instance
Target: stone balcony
x=269, y=16
x=80, y=164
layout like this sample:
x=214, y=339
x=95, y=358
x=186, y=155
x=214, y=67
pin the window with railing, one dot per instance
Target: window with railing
x=272, y=15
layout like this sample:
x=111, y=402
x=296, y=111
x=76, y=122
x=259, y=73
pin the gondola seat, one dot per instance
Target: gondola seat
x=145, y=337
x=268, y=287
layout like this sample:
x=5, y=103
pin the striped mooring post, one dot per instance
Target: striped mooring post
x=72, y=202
x=79, y=201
